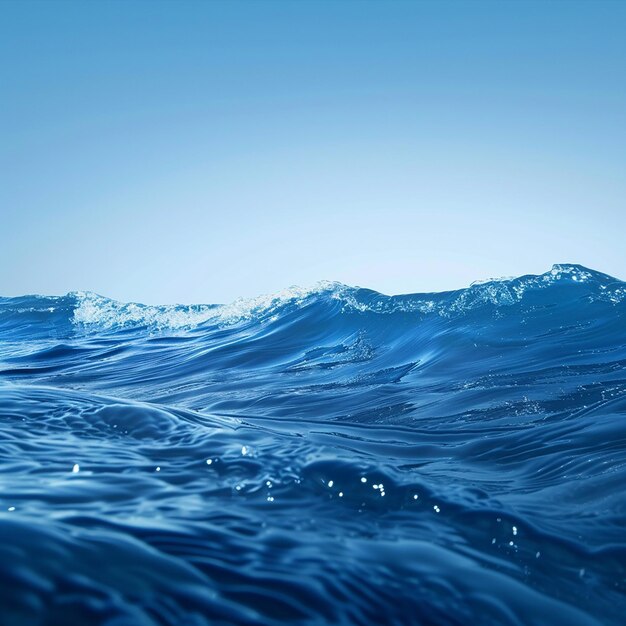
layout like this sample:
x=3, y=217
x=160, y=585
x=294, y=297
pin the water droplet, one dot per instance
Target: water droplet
x=363, y=479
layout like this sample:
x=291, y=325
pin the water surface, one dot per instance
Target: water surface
x=323, y=455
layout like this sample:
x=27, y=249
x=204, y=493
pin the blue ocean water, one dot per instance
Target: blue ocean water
x=324, y=455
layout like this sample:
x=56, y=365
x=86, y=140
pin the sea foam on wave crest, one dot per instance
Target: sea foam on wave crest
x=93, y=310
x=500, y=292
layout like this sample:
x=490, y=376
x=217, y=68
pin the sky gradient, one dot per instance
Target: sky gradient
x=201, y=151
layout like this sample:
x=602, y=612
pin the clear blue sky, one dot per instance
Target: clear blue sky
x=201, y=151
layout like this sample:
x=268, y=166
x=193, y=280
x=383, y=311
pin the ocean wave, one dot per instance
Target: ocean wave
x=320, y=455
x=87, y=310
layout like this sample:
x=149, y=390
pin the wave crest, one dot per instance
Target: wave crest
x=89, y=311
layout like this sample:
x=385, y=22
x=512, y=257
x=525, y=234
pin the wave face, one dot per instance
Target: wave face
x=323, y=455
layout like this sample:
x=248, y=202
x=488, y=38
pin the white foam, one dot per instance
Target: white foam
x=95, y=310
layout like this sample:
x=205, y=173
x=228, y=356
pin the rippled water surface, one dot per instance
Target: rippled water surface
x=324, y=455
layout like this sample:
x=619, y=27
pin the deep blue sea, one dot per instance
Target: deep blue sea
x=323, y=455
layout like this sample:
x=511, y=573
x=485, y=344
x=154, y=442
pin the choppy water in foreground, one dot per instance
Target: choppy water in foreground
x=329, y=455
